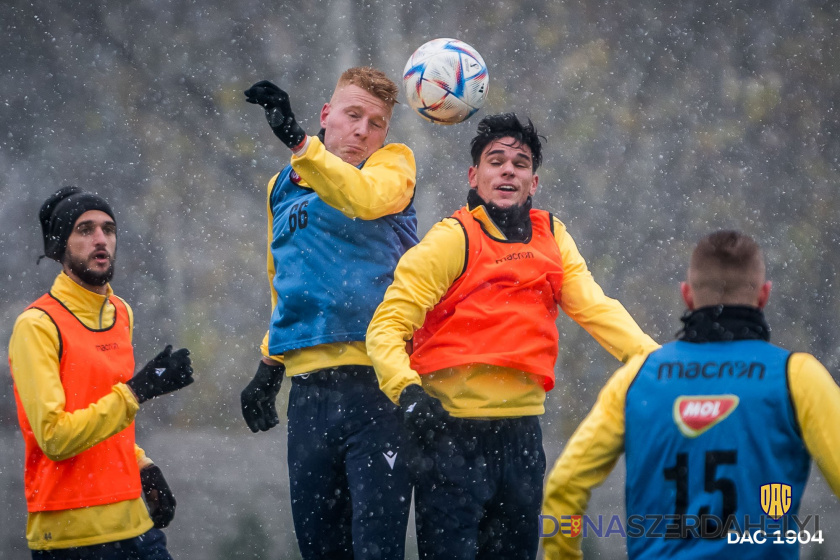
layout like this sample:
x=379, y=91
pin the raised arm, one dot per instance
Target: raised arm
x=383, y=186
x=587, y=460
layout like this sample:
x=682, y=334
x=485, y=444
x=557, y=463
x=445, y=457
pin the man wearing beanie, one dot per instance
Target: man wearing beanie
x=477, y=298
x=72, y=361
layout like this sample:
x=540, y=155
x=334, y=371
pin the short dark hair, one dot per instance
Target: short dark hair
x=726, y=263
x=506, y=125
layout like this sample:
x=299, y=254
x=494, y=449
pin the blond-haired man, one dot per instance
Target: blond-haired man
x=340, y=217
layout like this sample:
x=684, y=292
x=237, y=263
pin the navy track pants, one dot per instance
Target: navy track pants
x=478, y=490
x=349, y=479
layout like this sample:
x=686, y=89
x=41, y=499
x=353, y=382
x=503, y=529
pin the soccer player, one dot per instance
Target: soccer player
x=705, y=422
x=72, y=361
x=340, y=216
x=478, y=299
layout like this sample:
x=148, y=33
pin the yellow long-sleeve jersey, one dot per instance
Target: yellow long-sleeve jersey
x=34, y=357
x=383, y=186
x=593, y=450
x=423, y=276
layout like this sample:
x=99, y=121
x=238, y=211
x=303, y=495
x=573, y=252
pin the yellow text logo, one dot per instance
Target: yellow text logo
x=775, y=499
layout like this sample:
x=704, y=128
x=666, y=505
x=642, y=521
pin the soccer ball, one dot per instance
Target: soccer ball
x=445, y=81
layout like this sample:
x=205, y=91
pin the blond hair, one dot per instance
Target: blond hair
x=371, y=80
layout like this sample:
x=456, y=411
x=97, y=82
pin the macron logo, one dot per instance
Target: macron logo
x=411, y=407
x=159, y=371
x=391, y=457
x=515, y=257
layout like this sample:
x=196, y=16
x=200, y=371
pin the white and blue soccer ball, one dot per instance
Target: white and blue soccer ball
x=445, y=81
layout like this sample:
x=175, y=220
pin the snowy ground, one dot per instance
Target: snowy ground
x=233, y=500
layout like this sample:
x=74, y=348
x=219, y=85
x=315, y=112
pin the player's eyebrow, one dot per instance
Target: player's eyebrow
x=501, y=151
x=94, y=223
x=359, y=107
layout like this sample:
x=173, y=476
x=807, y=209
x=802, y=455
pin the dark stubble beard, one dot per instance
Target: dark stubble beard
x=78, y=266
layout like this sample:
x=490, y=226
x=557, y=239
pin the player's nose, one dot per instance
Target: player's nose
x=508, y=168
x=99, y=237
x=362, y=128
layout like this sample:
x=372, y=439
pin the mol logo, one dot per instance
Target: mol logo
x=775, y=499
x=696, y=414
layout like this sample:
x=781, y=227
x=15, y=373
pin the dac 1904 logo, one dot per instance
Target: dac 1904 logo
x=776, y=500
x=790, y=537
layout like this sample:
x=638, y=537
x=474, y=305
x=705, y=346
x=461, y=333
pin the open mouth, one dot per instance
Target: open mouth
x=506, y=188
x=101, y=257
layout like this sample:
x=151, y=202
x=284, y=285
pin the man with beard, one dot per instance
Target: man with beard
x=713, y=425
x=72, y=360
x=477, y=298
x=340, y=216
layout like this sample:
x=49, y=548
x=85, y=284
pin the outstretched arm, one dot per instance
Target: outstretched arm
x=816, y=398
x=383, y=186
x=587, y=461
x=584, y=301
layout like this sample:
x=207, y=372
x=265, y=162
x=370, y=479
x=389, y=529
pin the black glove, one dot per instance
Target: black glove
x=258, y=397
x=278, y=112
x=423, y=415
x=159, y=497
x=168, y=372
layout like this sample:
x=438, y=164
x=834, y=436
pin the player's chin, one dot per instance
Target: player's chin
x=507, y=200
x=98, y=277
x=354, y=156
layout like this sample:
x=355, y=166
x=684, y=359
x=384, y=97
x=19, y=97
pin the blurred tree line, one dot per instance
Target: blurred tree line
x=663, y=121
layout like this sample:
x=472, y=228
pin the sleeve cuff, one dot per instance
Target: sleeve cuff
x=128, y=396
x=301, y=148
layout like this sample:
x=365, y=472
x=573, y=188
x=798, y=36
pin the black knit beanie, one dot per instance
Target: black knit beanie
x=59, y=213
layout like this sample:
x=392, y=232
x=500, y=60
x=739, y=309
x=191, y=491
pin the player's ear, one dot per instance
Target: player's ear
x=325, y=111
x=764, y=294
x=534, y=183
x=687, y=295
x=472, y=175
